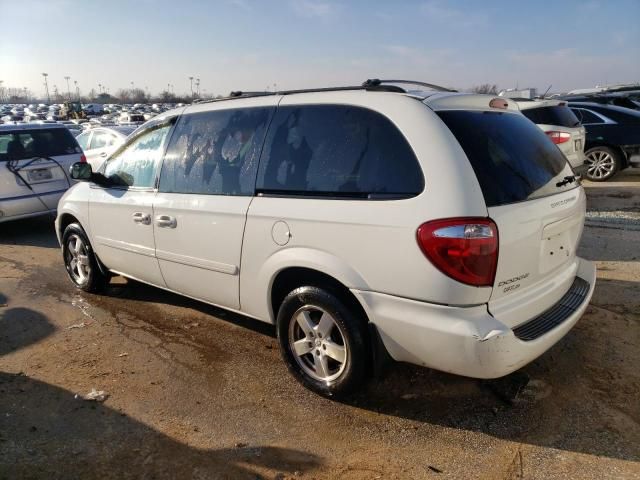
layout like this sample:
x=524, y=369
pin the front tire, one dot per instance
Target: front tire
x=602, y=163
x=322, y=341
x=80, y=261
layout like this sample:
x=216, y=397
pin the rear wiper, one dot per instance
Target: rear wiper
x=566, y=181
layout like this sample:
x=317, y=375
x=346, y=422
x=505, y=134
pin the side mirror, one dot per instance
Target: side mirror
x=81, y=171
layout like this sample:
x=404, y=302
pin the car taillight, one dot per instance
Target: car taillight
x=83, y=158
x=558, y=137
x=465, y=249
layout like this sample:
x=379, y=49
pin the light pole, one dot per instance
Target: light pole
x=191, y=86
x=75, y=82
x=46, y=86
x=68, y=89
x=1, y=91
x=99, y=88
x=198, y=87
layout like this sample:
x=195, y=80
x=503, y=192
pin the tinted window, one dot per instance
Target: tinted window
x=215, y=152
x=336, y=150
x=587, y=117
x=18, y=145
x=511, y=157
x=135, y=164
x=559, y=115
x=623, y=116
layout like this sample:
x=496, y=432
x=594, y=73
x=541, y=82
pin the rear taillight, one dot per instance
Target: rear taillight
x=83, y=158
x=558, y=137
x=465, y=249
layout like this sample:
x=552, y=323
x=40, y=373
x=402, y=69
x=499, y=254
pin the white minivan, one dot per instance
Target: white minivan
x=438, y=228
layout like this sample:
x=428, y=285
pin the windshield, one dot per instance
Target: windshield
x=511, y=157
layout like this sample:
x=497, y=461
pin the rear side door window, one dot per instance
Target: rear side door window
x=337, y=151
x=215, y=152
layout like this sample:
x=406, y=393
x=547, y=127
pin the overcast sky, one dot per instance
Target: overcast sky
x=252, y=44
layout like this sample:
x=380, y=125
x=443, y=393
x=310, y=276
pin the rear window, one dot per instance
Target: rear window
x=21, y=144
x=337, y=151
x=511, y=157
x=558, y=115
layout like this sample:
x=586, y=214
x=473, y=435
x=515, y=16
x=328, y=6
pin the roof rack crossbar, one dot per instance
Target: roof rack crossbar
x=375, y=82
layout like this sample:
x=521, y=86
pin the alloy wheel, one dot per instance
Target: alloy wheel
x=600, y=164
x=77, y=259
x=318, y=343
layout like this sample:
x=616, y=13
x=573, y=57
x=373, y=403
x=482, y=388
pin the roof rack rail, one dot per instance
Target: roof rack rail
x=370, y=85
x=375, y=82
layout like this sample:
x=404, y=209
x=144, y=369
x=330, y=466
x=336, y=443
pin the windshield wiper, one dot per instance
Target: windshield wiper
x=566, y=181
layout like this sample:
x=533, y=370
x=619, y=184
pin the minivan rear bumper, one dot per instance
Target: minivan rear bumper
x=465, y=341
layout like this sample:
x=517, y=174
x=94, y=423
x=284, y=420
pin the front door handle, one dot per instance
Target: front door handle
x=165, y=221
x=104, y=154
x=141, y=218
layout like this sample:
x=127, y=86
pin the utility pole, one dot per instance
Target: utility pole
x=46, y=86
x=191, y=84
x=68, y=89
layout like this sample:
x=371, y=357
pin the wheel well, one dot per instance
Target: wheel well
x=65, y=220
x=289, y=279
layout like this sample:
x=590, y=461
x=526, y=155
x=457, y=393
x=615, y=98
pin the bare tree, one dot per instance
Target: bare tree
x=486, y=88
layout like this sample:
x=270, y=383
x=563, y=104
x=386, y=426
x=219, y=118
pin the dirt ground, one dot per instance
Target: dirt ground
x=197, y=392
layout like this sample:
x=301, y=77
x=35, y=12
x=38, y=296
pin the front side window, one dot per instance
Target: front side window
x=135, y=164
x=99, y=140
x=215, y=152
x=83, y=140
x=337, y=151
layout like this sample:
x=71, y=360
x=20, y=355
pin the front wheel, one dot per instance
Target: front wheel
x=80, y=261
x=322, y=341
x=602, y=163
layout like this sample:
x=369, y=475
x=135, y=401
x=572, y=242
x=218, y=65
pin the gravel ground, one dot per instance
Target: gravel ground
x=197, y=392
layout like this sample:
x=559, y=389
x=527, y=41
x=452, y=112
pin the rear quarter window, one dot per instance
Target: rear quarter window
x=513, y=159
x=337, y=151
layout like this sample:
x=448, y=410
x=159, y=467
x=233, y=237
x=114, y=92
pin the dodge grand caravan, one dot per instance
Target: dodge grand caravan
x=439, y=228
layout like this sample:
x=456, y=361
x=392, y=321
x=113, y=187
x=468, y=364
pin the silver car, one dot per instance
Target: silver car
x=34, y=168
x=561, y=125
x=100, y=142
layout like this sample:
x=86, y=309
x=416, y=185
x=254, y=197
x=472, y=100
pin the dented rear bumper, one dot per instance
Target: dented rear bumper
x=465, y=341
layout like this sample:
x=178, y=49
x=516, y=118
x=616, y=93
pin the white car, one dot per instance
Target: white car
x=34, y=165
x=439, y=227
x=100, y=142
x=555, y=118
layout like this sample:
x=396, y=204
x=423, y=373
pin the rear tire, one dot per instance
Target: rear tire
x=322, y=341
x=601, y=163
x=80, y=261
